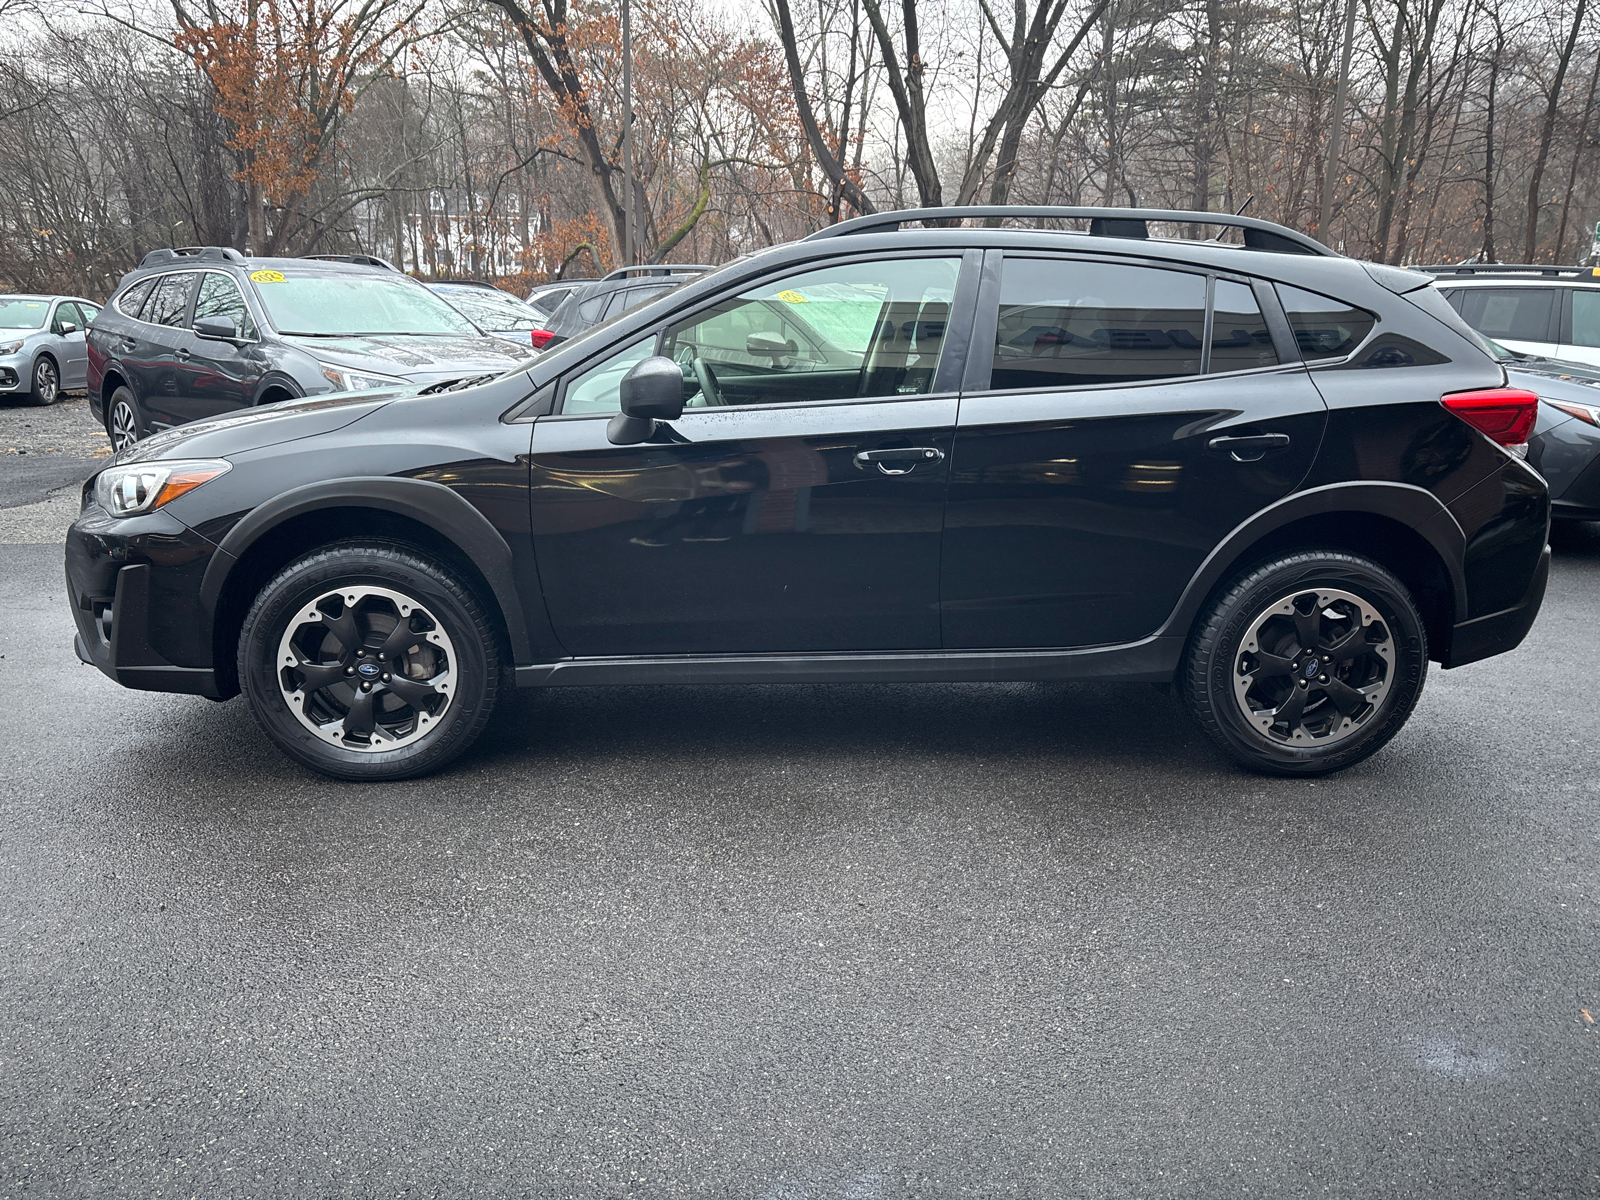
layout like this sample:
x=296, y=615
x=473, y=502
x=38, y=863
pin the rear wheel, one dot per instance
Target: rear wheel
x=124, y=420
x=46, y=381
x=365, y=660
x=1307, y=664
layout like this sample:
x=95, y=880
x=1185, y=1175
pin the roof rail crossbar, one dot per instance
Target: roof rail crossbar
x=658, y=269
x=179, y=253
x=360, y=260
x=1103, y=222
x=1557, y=270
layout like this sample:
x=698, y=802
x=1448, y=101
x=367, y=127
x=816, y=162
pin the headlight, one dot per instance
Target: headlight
x=347, y=380
x=145, y=487
x=1584, y=412
x=10, y=347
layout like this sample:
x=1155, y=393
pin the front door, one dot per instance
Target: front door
x=1110, y=445
x=796, y=505
x=218, y=376
x=74, y=354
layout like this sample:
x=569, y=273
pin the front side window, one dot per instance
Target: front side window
x=1240, y=338
x=869, y=329
x=309, y=304
x=1518, y=314
x=67, y=314
x=18, y=312
x=597, y=389
x=170, y=301
x=1066, y=323
x=1323, y=327
x=1585, y=318
x=220, y=297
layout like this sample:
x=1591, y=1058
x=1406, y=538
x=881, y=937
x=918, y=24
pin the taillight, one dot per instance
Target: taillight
x=1505, y=414
x=539, y=338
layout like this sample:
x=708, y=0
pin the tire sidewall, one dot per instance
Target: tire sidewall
x=308, y=580
x=124, y=393
x=1214, y=673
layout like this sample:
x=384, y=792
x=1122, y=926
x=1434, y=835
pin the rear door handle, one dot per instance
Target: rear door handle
x=1250, y=447
x=900, y=460
x=181, y=354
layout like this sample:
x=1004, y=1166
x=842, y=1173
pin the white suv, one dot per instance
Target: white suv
x=1550, y=311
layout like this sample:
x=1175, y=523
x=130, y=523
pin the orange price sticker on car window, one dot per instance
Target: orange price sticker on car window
x=792, y=297
x=266, y=276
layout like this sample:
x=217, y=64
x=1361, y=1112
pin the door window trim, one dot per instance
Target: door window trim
x=946, y=380
x=986, y=324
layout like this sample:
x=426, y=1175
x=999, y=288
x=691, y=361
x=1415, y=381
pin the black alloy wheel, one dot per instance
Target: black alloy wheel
x=1307, y=664
x=367, y=661
x=124, y=421
x=46, y=381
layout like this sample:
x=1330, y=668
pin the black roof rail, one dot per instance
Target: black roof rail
x=178, y=254
x=1546, y=269
x=658, y=269
x=1103, y=222
x=360, y=260
x=464, y=283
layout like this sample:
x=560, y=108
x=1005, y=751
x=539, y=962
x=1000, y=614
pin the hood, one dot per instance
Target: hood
x=254, y=428
x=420, y=359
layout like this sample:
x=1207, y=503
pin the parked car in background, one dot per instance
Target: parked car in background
x=1565, y=443
x=599, y=300
x=492, y=310
x=547, y=297
x=200, y=332
x=1543, y=310
x=1278, y=479
x=42, y=345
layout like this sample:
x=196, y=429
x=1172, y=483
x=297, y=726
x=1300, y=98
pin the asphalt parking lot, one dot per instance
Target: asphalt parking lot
x=791, y=942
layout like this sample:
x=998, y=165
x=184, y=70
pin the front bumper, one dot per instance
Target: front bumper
x=134, y=587
x=14, y=373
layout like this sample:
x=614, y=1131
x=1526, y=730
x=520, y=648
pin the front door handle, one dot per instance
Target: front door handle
x=181, y=354
x=128, y=347
x=900, y=460
x=1250, y=447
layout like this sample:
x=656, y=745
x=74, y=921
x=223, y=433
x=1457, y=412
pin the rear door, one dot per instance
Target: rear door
x=1580, y=339
x=164, y=346
x=789, y=509
x=71, y=346
x=1119, y=420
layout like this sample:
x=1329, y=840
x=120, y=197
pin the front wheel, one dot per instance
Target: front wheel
x=366, y=661
x=1306, y=664
x=124, y=422
x=46, y=388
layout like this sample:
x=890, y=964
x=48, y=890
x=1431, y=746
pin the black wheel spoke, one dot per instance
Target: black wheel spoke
x=414, y=692
x=1290, y=710
x=1345, y=698
x=1350, y=645
x=1306, y=628
x=319, y=675
x=401, y=638
x=345, y=629
x=1270, y=665
x=359, y=718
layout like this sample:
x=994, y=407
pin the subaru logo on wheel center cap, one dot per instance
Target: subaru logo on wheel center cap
x=369, y=669
x=1309, y=670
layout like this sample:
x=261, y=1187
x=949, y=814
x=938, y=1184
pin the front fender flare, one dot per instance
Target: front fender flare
x=428, y=503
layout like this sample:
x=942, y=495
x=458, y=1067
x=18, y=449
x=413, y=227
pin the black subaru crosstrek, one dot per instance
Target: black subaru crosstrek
x=204, y=331
x=1280, y=479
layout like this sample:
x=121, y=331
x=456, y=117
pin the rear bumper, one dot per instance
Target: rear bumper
x=1499, y=632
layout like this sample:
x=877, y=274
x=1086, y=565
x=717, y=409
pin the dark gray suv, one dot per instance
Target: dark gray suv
x=204, y=331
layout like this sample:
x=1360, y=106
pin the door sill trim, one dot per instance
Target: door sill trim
x=1152, y=660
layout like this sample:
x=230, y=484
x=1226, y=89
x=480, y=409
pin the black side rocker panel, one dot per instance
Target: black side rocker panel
x=431, y=504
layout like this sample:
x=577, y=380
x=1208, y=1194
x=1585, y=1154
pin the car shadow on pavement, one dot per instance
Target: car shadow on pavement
x=1575, y=540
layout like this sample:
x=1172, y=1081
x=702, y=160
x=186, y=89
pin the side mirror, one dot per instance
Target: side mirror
x=768, y=345
x=651, y=392
x=65, y=327
x=216, y=329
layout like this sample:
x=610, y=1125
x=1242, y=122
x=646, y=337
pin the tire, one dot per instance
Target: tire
x=124, y=419
x=46, y=381
x=308, y=653
x=1251, y=682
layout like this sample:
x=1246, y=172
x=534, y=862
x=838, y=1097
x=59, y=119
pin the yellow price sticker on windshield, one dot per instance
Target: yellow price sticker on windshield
x=792, y=297
x=266, y=276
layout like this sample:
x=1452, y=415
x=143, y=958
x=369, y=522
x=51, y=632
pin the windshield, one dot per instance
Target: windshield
x=18, y=313
x=313, y=305
x=493, y=309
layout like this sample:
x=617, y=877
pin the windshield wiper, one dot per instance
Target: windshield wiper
x=456, y=385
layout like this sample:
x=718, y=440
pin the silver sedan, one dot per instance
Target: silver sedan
x=42, y=348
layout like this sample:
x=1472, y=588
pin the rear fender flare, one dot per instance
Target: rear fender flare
x=1416, y=508
x=427, y=503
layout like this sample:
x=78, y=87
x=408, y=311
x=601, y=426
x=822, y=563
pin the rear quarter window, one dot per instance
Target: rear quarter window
x=1324, y=327
x=133, y=299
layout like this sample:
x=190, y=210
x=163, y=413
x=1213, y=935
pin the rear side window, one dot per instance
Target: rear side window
x=133, y=299
x=1520, y=314
x=170, y=301
x=1065, y=324
x=591, y=308
x=89, y=311
x=632, y=297
x=1324, y=327
x=1240, y=338
x=220, y=297
x=1585, y=318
